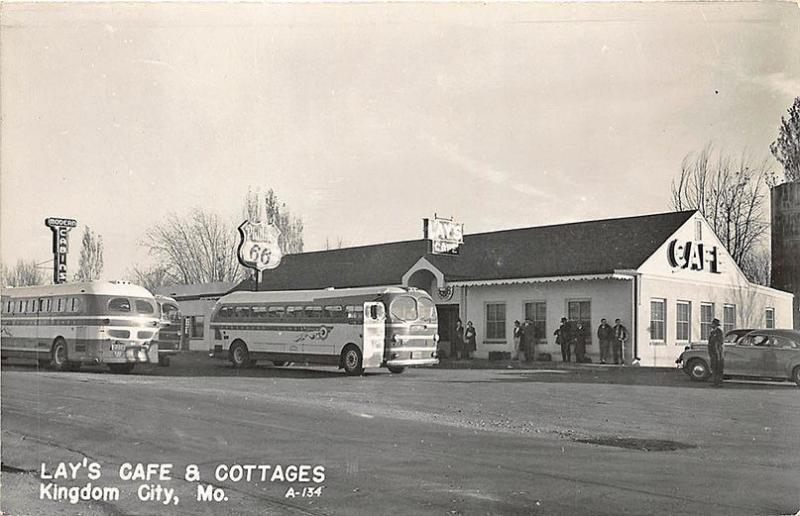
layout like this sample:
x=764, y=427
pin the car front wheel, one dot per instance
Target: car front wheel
x=698, y=370
x=796, y=375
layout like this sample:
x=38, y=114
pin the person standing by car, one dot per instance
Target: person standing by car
x=469, y=340
x=620, y=336
x=605, y=335
x=715, y=342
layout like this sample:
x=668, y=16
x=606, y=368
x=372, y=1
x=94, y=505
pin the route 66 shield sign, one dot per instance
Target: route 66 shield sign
x=259, y=247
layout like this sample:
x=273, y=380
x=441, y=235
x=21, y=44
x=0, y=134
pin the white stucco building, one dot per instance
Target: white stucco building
x=666, y=276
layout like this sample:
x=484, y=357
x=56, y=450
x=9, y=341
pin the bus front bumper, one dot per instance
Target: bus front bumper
x=403, y=362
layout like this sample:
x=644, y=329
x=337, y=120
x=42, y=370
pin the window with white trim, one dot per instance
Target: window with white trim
x=658, y=319
x=683, y=321
x=769, y=316
x=537, y=313
x=706, y=316
x=728, y=318
x=495, y=320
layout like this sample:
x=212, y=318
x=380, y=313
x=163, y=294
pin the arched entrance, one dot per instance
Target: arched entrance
x=447, y=308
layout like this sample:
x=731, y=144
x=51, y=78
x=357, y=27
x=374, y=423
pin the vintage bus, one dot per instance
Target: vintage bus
x=67, y=325
x=352, y=328
x=169, y=336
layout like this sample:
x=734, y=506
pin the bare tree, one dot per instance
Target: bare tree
x=786, y=148
x=90, y=265
x=757, y=266
x=23, y=274
x=198, y=248
x=729, y=192
x=337, y=244
x=151, y=278
x=291, y=228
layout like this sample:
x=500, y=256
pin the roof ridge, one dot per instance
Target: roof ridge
x=563, y=224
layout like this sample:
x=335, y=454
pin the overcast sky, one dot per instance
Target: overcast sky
x=367, y=118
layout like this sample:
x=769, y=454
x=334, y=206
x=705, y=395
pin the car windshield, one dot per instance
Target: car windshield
x=404, y=308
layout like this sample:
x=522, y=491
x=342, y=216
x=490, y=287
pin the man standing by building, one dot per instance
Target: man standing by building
x=528, y=340
x=618, y=346
x=563, y=339
x=715, y=340
x=579, y=336
x=605, y=334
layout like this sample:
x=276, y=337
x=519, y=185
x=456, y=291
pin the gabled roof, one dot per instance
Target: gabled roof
x=594, y=247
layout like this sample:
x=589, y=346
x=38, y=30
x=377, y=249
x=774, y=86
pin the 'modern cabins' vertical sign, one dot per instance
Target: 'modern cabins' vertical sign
x=60, y=228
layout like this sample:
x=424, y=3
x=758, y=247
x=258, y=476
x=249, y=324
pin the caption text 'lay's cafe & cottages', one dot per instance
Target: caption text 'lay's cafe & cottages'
x=665, y=276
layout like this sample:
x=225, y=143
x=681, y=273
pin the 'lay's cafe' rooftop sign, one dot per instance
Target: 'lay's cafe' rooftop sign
x=693, y=255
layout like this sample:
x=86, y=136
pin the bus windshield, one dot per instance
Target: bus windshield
x=169, y=312
x=404, y=308
x=427, y=310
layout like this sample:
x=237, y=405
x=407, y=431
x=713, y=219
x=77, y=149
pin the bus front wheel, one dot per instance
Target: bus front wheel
x=352, y=361
x=240, y=356
x=58, y=356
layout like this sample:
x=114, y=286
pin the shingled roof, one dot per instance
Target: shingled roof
x=593, y=247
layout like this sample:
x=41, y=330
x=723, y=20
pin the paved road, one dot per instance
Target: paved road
x=426, y=442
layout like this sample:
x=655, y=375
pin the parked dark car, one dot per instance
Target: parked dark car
x=773, y=354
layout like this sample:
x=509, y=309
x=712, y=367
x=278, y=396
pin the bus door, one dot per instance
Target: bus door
x=374, y=334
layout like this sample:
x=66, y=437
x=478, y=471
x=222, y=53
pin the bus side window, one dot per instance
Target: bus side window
x=276, y=312
x=259, y=312
x=314, y=312
x=355, y=313
x=49, y=304
x=241, y=312
x=334, y=312
x=294, y=312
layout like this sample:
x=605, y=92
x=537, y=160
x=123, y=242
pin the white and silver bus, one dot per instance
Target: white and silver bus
x=353, y=328
x=66, y=325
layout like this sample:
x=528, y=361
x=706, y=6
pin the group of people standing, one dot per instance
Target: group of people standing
x=464, y=340
x=571, y=336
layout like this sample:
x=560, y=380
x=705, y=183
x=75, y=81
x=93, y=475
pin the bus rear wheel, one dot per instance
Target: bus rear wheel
x=395, y=369
x=121, y=368
x=240, y=356
x=58, y=355
x=352, y=361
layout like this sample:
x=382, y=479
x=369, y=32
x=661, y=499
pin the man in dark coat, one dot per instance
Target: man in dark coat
x=605, y=335
x=579, y=336
x=528, y=340
x=563, y=339
x=715, y=340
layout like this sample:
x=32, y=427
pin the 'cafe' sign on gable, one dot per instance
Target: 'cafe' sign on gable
x=693, y=255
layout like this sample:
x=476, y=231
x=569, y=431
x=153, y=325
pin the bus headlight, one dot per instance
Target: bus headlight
x=142, y=355
x=130, y=354
x=395, y=339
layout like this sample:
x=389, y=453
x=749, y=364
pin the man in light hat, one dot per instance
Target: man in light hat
x=715, y=339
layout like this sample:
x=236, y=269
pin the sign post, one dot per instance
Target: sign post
x=60, y=228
